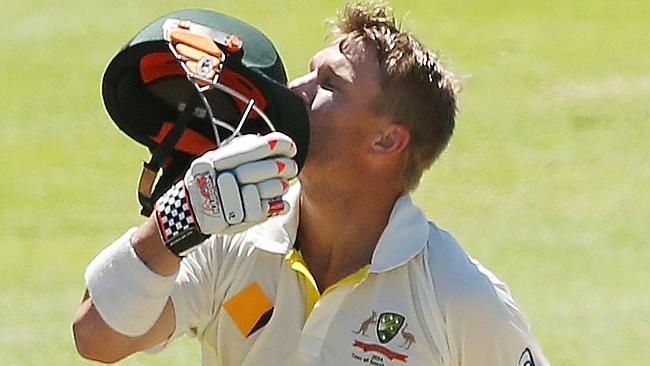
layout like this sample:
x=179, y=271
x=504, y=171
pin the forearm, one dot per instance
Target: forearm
x=109, y=338
x=97, y=341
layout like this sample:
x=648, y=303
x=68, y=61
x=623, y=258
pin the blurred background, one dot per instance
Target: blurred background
x=546, y=181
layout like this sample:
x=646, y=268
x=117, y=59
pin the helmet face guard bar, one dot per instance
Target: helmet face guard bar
x=196, y=47
x=202, y=53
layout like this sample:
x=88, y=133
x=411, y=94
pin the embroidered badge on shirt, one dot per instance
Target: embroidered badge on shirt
x=387, y=326
x=250, y=309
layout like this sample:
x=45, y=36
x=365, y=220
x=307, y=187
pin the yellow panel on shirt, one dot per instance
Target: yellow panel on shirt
x=310, y=288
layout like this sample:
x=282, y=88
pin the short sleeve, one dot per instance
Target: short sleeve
x=193, y=295
x=487, y=328
x=483, y=324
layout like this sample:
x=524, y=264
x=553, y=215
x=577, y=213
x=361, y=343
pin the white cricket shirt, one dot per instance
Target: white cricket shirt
x=250, y=300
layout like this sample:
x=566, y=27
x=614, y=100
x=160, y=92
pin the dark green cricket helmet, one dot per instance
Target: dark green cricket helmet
x=158, y=89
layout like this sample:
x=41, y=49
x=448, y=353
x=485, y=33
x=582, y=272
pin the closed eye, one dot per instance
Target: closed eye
x=326, y=84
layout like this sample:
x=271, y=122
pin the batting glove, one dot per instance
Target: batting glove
x=227, y=190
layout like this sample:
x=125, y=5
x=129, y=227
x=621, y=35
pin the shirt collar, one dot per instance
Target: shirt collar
x=404, y=237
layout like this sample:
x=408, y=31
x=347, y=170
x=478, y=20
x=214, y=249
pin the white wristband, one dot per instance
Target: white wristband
x=127, y=294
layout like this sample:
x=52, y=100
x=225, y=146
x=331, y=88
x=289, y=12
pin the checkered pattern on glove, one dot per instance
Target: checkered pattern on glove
x=176, y=220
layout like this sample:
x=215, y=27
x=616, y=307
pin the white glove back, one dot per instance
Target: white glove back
x=228, y=190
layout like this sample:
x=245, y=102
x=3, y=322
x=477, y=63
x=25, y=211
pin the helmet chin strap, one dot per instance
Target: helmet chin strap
x=160, y=155
x=196, y=48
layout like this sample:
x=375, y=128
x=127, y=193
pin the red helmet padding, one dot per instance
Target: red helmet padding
x=190, y=142
x=158, y=65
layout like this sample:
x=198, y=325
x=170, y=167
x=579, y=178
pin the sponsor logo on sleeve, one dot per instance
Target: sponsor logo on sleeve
x=526, y=358
x=250, y=309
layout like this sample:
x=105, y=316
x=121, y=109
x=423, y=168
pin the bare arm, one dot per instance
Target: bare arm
x=256, y=161
x=95, y=340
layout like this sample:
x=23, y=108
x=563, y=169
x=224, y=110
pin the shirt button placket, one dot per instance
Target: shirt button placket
x=318, y=323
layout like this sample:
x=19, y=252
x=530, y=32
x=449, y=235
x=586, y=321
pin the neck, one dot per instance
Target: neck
x=339, y=228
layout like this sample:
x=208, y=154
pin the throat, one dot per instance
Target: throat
x=331, y=255
x=338, y=232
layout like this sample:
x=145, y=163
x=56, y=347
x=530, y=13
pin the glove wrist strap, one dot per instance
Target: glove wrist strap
x=176, y=221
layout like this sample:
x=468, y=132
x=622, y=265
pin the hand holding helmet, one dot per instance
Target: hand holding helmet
x=188, y=83
x=227, y=190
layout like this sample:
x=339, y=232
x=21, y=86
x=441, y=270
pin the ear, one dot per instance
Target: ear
x=392, y=140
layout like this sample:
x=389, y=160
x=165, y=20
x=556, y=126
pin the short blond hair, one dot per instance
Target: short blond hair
x=415, y=90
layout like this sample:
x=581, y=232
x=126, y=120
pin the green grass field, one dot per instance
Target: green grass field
x=546, y=180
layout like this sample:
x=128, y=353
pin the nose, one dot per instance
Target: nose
x=305, y=87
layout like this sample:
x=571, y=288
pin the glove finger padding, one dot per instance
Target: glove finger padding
x=250, y=148
x=258, y=171
x=229, y=189
x=252, y=204
x=275, y=207
x=272, y=188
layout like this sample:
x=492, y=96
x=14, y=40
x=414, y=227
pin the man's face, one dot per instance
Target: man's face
x=339, y=92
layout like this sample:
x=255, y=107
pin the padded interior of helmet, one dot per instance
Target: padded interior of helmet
x=162, y=77
x=162, y=66
x=156, y=65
